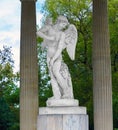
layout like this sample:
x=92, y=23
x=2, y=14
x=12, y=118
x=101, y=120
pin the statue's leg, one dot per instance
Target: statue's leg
x=69, y=82
x=60, y=79
x=55, y=86
x=69, y=89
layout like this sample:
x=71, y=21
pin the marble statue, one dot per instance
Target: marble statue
x=57, y=37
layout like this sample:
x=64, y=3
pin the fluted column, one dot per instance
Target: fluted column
x=28, y=67
x=102, y=87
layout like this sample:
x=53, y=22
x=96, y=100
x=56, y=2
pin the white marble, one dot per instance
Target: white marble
x=62, y=122
x=57, y=37
x=62, y=110
x=62, y=102
x=62, y=118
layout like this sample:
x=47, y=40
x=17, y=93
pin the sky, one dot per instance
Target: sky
x=10, y=25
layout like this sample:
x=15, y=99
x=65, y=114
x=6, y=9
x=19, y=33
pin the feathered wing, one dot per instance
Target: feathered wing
x=71, y=40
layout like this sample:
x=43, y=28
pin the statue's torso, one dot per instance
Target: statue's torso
x=52, y=45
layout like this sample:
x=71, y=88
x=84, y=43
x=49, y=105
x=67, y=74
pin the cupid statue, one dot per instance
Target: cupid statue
x=56, y=38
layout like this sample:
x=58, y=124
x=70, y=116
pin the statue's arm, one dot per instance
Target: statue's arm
x=44, y=29
x=42, y=35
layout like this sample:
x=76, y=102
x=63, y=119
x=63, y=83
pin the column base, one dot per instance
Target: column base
x=62, y=118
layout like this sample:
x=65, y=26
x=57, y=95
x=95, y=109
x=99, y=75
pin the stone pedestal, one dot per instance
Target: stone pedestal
x=62, y=102
x=62, y=118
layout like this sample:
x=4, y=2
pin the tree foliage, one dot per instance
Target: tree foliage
x=6, y=116
x=113, y=25
x=113, y=20
x=9, y=91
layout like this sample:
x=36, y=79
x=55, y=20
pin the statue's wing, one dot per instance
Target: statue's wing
x=71, y=40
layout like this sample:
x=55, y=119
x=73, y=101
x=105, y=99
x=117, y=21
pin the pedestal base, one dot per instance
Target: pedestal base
x=62, y=102
x=62, y=118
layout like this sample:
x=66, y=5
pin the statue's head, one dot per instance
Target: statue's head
x=62, y=21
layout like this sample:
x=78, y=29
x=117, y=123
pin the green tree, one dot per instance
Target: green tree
x=6, y=116
x=9, y=90
x=113, y=26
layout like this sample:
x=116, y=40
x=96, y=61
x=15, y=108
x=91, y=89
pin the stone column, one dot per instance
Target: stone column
x=102, y=87
x=28, y=67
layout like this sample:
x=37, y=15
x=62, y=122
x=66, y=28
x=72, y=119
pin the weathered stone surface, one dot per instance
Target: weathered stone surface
x=28, y=68
x=62, y=102
x=57, y=37
x=62, y=118
x=62, y=110
x=102, y=85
